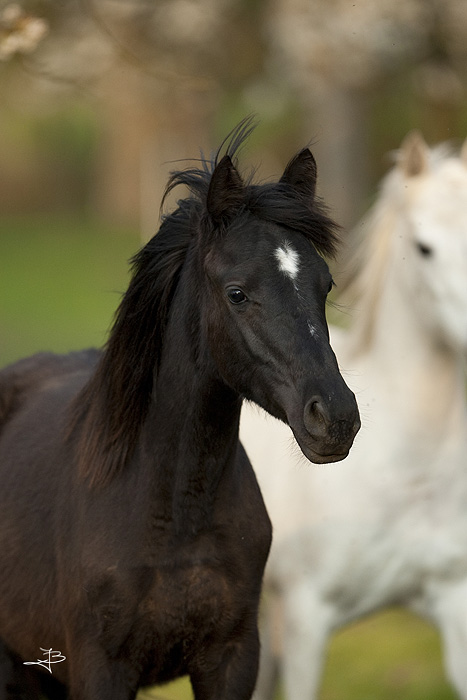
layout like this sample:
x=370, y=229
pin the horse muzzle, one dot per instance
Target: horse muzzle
x=328, y=433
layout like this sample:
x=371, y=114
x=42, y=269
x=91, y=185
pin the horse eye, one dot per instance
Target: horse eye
x=424, y=249
x=236, y=296
x=331, y=285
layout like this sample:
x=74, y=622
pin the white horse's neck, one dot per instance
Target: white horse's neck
x=420, y=379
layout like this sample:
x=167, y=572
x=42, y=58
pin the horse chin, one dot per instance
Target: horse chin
x=320, y=455
x=325, y=459
x=317, y=458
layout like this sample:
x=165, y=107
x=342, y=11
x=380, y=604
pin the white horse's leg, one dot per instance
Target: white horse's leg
x=451, y=615
x=307, y=624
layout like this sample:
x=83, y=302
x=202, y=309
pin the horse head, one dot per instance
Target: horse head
x=268, y=285
x=434, y=237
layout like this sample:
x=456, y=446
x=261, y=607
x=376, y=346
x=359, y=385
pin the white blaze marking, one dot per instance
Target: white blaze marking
x=288, y=259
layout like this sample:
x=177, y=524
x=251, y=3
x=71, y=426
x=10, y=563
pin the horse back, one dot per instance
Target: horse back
x=24, y=378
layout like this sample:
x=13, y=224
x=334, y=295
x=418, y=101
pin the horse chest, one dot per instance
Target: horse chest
x=208, y=585
x=166, y=609
x=188, y=603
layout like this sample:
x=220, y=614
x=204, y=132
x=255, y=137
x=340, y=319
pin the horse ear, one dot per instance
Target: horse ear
x=413, y=154
x=300, y=173
x=225, y=193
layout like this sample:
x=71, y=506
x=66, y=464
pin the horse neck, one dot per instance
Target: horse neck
x=421, y=378
x=191, y=431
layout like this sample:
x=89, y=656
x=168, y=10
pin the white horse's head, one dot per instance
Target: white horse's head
x=412, y=248
x=432, y=241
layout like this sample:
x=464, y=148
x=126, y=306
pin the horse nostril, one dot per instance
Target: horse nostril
x=321, y=425
x=316, y=418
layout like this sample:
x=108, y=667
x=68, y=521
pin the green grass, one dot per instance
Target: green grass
x=60, y=283
x=389, y=655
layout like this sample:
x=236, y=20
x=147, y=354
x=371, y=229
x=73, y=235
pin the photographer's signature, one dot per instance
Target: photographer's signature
x=52, y=657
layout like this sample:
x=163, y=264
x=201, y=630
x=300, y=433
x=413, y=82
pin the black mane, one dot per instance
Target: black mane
x=108, y=413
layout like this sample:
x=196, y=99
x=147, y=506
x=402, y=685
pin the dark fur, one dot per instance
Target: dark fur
x=133, y=535
x=108, y=414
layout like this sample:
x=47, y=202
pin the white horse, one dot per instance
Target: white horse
x=389, y=524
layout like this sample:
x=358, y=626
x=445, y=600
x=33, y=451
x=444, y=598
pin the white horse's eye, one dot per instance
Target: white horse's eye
x=424, y=249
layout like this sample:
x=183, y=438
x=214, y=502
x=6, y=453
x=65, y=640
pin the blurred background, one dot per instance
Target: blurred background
x=98, y=98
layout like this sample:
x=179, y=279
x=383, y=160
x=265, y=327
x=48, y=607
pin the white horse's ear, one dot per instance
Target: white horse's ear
x=413, y=156
x=463, y=152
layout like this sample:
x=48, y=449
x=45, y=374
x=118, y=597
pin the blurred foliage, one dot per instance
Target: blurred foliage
x=396, y=108
x=47, y=159
x=68, y=134
x=115, y=80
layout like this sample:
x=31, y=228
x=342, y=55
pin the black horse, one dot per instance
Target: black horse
x=133, y=535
